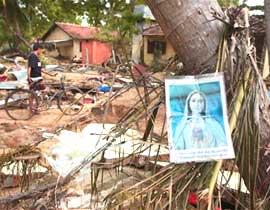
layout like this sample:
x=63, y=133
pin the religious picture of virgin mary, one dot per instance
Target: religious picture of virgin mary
x=197, y=119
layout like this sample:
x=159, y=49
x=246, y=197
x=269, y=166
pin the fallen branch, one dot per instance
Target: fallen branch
x=26, y=195
x=61, y=182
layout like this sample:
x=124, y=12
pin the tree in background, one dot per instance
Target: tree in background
x=13, y=22
x=267, y=20
x=196, y=35
x=195, y=43
x=116, y=16
x=24, y=19
x=41, y=14
x=94, y=11
x=3, y=33
x=228, y=3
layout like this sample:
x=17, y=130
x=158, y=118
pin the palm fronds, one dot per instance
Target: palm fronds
x=169, y=187
x=164, y=185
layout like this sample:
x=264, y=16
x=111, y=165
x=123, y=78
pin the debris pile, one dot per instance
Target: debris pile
x=115, y=154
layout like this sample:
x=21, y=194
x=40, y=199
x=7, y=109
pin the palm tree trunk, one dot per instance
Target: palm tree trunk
x=263, y=183
x=190, y=27
x=267, y=20
x=187, y=25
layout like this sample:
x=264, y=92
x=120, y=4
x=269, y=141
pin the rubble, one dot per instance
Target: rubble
x=110, y=152
x=61, y=162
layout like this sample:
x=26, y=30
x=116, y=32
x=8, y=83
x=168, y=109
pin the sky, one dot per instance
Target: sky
x=254, y=2
x=248, y=2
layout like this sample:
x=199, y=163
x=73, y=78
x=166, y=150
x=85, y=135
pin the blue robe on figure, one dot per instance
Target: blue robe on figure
x=198, y=132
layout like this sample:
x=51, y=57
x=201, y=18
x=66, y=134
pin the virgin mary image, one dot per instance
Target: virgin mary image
x=197, y=128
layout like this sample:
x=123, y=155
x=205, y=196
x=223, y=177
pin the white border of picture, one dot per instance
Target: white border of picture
x=183, y=155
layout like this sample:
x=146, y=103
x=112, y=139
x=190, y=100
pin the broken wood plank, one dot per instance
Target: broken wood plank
x=27, y=157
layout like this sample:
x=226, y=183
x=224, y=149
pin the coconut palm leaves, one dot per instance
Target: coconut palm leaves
x=169, y=187
x=142, y=180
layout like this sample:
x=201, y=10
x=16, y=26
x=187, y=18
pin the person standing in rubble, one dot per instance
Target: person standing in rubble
x=34, y=70
x=34, y=75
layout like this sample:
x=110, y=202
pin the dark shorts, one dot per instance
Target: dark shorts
x=37, y=85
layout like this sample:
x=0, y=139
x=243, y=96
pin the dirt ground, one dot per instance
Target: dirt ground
x=15, y=133
x=21, y=132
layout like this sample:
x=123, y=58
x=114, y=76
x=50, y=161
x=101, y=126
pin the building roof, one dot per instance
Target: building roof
x=74, y=31
x=153, y=30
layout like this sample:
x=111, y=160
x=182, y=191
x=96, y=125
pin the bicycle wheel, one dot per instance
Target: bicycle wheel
x=45, y=105
x=70, y=101
x=20, y=104
x=44, y=102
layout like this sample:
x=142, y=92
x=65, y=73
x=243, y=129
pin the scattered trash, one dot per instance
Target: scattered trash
x=2, y=68
x=51, y=67
x=3, y=78
x=64, y=156
x=20, y=75
x=104, y=88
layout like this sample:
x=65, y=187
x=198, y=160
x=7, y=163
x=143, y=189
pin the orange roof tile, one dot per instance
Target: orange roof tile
x=74, y=31
x=77, y=31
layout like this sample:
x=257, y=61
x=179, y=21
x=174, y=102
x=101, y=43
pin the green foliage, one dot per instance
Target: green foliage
x=257, y=7
x=42, y=13
x=124, y=25
x=113, y=16
x=12, y=21
x=106, y=35
x=3, y=34
x=228, y=3
x=32, y=18
x=94, y=11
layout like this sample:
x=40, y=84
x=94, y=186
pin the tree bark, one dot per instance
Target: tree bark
x=187, y=25
x=267, y=20
x=192, y=30
x=263, y=180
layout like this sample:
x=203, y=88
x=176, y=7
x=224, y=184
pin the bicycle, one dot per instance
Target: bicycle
x=22, y=103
